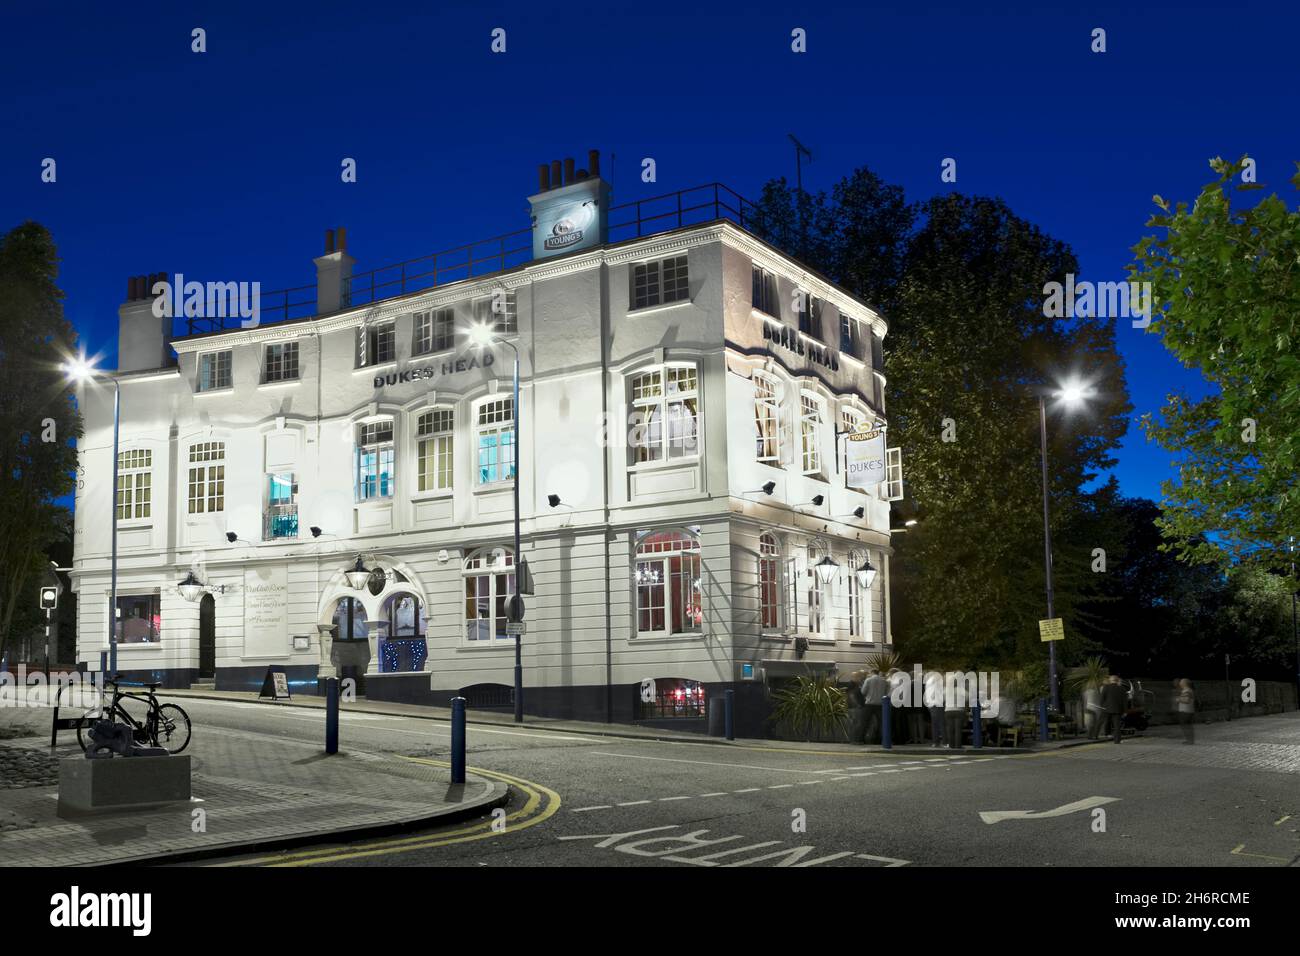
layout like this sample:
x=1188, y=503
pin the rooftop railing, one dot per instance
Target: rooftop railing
x=631, y=220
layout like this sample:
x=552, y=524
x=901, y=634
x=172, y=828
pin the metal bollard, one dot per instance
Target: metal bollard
x=458, y=740
x=1042, y=718
x=331, y=715
x=886, y=736
x=729, y=710
x=103, y=662
x=977, y=725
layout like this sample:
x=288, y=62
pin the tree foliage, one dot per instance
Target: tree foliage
x=961, y=282
x=38, y=421
x=1226, y=287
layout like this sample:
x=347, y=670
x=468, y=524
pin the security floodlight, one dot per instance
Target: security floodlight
x=826, y=569
x=816, y=501
x=553, y=500
x=769, y=487
x=232, y=537
x=315, y=531
x=359, y=576
x=191, y=588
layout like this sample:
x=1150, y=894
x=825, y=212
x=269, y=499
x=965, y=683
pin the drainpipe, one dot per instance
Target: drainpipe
x=604, y=467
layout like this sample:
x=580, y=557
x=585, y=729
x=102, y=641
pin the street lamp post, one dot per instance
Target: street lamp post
x=82, y=371
x=1070, y=394
x=1047, y=553
x=482, y=334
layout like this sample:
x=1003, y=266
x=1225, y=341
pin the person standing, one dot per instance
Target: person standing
x=954, y=710
x=934, y=706
x=1113, y=700
x=1185, y=698
x=874, y=689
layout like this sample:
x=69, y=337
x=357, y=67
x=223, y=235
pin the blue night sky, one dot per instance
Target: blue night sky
x=225, y=165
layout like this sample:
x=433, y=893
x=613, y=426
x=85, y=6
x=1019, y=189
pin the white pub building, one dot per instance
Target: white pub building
x=704, y=484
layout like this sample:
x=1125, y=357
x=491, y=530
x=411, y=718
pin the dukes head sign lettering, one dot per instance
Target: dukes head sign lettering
x=434, y=370
x=791, y=340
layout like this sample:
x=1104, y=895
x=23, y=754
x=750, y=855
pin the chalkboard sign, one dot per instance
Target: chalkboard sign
x=275, y=686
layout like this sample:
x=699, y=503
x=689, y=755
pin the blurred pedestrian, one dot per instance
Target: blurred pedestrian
x=1185, y=699
x=934, y=706
x=954, y=710
x=1113, y=701
x=874, y=689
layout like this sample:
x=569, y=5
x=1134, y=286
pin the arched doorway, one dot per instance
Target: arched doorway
x=207, y=638
x=352, y=641
x=401, y=631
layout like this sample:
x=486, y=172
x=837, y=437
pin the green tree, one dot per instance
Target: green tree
x=1226, y=286
x=38, y=421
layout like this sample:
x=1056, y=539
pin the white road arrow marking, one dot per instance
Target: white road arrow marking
x=1087, y=803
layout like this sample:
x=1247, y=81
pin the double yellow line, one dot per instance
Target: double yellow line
x=540, y=804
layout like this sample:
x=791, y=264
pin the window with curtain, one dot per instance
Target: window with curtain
x=769, y=582
x=668, y=585
x=489, y=581
x=665, y=405
x=767, y=418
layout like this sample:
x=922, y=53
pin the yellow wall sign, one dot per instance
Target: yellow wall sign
x=1051, y=630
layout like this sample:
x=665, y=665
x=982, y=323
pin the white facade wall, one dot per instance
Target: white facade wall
x=579, y=344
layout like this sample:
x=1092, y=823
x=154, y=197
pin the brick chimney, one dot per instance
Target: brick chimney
x=143, y=338
x=571, y=207
x=334, y=273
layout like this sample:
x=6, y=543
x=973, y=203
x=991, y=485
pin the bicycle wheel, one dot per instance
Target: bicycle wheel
x=170, y=729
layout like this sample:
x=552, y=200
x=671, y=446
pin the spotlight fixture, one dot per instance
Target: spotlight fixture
x=553, y=500
x=232, y=537
x=769, y=487
x=858, y=513
x=816, y=502
x=315, y=531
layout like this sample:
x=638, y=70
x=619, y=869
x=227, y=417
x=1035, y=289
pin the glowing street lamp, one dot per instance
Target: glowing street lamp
x=1071, y=394
x=826, y=569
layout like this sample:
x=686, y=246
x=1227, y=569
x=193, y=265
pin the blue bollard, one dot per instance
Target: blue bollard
x=458, y=740
x=977, y=725
x=331, y=715
x=729, y=714
x=1042, y=719
x=103, y=662
x=886, y=736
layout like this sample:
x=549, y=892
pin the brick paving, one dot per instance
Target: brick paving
x=250, y=790
x=1269, y=744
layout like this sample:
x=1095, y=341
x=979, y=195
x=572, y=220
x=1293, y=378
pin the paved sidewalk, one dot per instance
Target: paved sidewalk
x=254, y=791
x=631, y=731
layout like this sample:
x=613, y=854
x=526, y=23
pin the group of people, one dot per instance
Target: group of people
x=1111, y=704
x=946, y=713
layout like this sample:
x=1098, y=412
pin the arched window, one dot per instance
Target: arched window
x=489, y=581
x=434, y=436
x=769, y=582
x=810, y=433
x=767, y=418
x=668, y=586
x=816, y=593
x=350, y=620
x=403, y=626
x=376, y=468
x=666, y=407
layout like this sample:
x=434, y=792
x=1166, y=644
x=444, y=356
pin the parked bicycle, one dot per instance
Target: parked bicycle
x=160, y=725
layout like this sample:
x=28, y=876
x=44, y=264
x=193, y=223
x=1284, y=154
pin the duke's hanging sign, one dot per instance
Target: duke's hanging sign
x=864, y=457
x=449, y=367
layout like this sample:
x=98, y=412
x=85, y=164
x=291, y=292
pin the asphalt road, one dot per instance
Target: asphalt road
x=1230, y=800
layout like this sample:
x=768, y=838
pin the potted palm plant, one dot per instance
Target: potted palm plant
x=812, y=707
